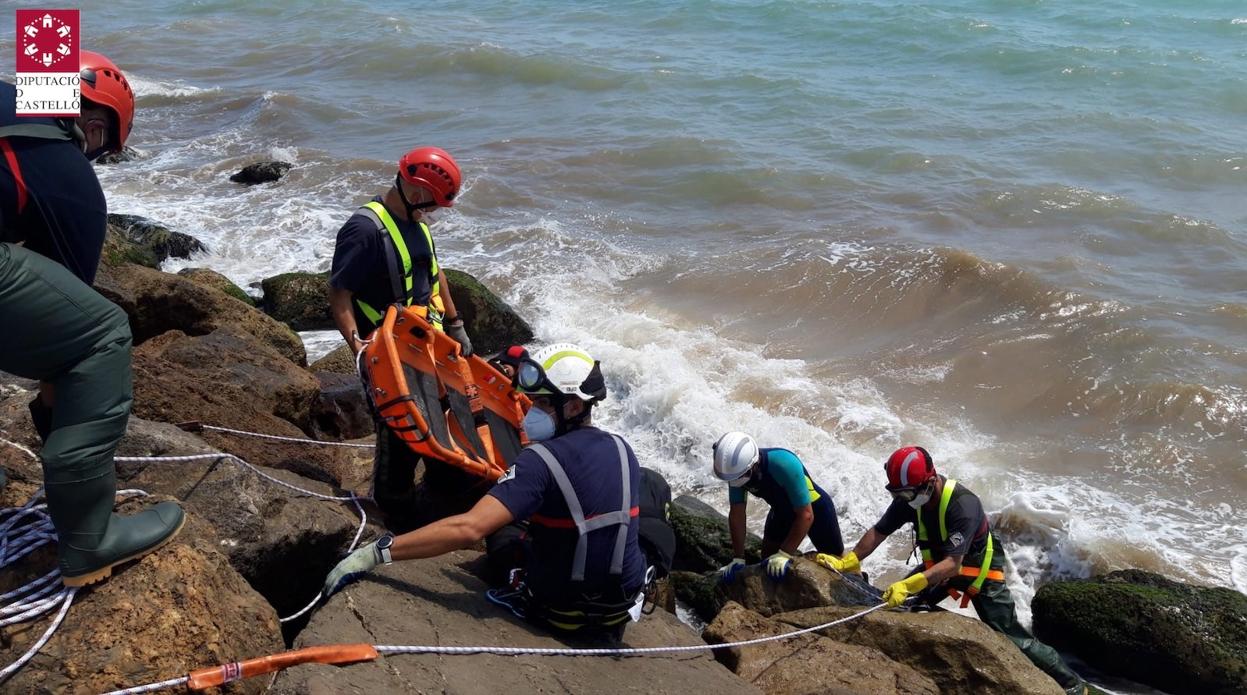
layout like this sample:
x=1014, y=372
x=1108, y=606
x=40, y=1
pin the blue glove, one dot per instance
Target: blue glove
x=777, y=565
x=727, y=573
x=353, y=566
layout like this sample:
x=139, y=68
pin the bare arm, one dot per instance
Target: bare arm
x=868, y=543
x=803, y=518
x=453, y=532
x=736, y=524
x=344, y=316
x=943, y=570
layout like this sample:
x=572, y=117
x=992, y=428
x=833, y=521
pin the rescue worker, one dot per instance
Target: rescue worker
x=579, y=488
x=64, y=334
x=960, y=555
x=384, y=254
x=799, y=507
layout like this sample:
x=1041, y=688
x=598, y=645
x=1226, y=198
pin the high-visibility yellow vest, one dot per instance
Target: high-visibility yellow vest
x=435, y=310
x=981, y=573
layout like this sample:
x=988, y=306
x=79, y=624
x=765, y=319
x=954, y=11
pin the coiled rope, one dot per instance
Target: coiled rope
x=27, y=528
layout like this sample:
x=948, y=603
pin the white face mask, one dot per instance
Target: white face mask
x=539, y=425
x=918, y=501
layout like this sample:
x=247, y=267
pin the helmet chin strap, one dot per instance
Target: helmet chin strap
x=411, y=208
x=564, y=424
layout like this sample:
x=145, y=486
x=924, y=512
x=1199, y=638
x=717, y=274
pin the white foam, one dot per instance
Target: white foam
x=143, y=86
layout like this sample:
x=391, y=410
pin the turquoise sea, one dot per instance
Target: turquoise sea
x=1014, y=232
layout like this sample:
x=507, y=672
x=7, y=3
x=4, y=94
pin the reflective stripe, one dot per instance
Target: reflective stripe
x=994, y=575
x=402, y=291
x=905, y=468
x=981, y=573
x=621, y=518
x=555, y=522
x=809, y=484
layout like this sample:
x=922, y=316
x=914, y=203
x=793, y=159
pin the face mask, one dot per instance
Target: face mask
x=539, y=425
x=920, y=500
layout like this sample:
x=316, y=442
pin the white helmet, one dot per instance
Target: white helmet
x=566, y=368
x=734, y=454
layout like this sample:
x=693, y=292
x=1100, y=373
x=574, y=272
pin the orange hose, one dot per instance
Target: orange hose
x=336, y=654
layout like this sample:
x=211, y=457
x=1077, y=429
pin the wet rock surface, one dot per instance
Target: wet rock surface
x=441, y=601
x=260, y=172
x=1179, y=637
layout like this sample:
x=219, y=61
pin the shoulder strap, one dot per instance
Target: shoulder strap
x=395, y=252
x=623, y=517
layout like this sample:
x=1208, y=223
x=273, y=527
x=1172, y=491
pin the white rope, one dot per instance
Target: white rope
x=354, y=499
x=68, y=596
x=42, y=595
x=387, y=649
x=612, y=651
x=300, y=440
x=254, y=469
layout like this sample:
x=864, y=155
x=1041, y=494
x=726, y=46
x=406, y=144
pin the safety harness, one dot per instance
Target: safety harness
x=980, y=574
x=588, y=612
x=42, y=131
x=399, y=260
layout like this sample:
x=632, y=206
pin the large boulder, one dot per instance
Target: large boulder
x=440, y=601
x=222, y=378
x=807, y=663
x=260, y=172
x=1178, y=637
x=158, y=302
x=215, y=280
x=230, y=380
x=178, y=609
x=703, y=540
x=962, y=655
x=341, y=409
x=282, y=541
x=807, y=585
x=153, y=239
x=491, y=323
x=301, y=300
x=340, y=360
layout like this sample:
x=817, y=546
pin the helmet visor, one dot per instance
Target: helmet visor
x=907, y=494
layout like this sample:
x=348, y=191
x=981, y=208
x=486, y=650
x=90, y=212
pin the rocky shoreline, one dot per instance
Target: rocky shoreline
x=253, y=550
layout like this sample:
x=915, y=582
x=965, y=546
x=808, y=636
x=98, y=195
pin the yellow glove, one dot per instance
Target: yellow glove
x=896, y=594
x=847, y=563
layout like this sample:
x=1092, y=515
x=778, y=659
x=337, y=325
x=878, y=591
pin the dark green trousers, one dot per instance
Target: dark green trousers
x=56, y=329
x=994, y=604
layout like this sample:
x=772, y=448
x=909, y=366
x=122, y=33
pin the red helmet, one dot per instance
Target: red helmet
x=909, y=467
x=434, y=170
x=103, y=83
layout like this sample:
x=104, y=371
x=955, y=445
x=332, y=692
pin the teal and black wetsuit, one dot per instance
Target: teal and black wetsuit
x=783, y=482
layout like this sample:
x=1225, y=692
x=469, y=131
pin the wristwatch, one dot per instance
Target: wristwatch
x=383, y=547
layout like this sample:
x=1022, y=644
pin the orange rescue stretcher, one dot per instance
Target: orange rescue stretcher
x=455, y=409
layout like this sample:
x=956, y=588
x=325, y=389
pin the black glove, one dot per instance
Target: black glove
x=454, y=328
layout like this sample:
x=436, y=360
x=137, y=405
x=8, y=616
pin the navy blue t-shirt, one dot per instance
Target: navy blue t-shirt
x=65, y=217
x=360, y=264
x=591, y=460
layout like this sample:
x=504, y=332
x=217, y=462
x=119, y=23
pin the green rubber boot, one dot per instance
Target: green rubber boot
x=93, y=540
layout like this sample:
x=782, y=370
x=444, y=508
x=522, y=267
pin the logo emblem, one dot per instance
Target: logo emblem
x=956, y=539
x=47, y=63
x=509, y=475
